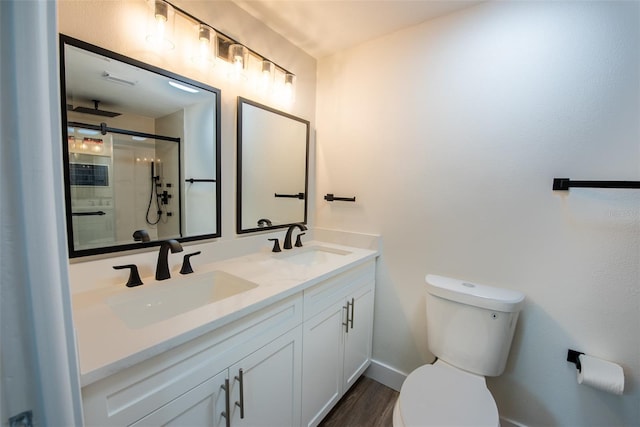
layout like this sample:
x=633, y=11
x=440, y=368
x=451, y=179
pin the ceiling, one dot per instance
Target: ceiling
x=323, y=27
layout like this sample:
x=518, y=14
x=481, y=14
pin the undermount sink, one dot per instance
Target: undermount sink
x=166, y=300
x=312, y=255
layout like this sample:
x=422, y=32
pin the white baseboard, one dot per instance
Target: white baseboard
x=385, y=374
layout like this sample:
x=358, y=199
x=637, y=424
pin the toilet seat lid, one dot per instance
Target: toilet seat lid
x=441, y=395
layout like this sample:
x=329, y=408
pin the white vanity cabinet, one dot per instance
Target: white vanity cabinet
x=186, y=385
x=270, y=382
x=280, y=364
x=337, y=338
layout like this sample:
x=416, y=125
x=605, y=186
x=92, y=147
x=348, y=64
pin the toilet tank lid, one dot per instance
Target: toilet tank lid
x=483, y=296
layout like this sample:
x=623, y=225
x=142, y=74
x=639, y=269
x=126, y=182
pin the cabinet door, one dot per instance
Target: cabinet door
x=322, y=364
x=201, y=406
x=357, y=341
x=271, y=383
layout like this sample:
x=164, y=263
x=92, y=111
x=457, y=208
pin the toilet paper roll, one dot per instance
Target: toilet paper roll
x=601, y=374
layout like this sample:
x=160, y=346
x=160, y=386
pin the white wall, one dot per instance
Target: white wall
x=450, y=134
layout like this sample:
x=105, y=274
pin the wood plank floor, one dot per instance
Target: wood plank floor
x=368, y=404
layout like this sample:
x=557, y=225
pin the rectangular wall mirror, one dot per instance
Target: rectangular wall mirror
x=141, y=151
x=273, y=163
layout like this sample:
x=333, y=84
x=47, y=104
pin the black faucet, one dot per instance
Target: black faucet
x=287, y=238
x=141, y=236
x=162, y=269
x=264, y=222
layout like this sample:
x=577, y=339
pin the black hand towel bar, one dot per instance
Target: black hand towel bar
x=192, y=180
x=291, y=196
x=330, y=198
x=88, y=213
x=563, y=184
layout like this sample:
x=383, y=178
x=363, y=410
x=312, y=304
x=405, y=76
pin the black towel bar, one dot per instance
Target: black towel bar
x=88, y=213
x=563, y=184
x=192, y=180
x=330, y=198
x=290, y=196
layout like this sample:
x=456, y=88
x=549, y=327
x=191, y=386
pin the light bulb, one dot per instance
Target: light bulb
x=160, y=15
x=203, y=47
x=289, y=87
x=161, y=26
x=266, y=77
x=204, y=35
x=161, y=11
x=238, y=63
x=238, y=56
x=204, y=52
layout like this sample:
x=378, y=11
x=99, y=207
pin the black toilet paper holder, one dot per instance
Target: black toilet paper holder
x=573, y=357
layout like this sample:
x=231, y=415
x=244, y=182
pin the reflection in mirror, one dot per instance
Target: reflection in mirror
x=273, y=160
x=141, y=152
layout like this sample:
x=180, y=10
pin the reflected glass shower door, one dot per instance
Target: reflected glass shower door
x=122, y=181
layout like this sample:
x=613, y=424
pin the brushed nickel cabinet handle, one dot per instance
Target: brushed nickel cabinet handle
x=240, y=379
x=227, y=406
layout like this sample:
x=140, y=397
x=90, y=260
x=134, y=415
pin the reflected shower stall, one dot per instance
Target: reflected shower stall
x=122, y=181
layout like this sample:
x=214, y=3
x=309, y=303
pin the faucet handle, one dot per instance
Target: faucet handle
x=298, y=241
x=276, y=245
x=134, y=276
x=186, y=263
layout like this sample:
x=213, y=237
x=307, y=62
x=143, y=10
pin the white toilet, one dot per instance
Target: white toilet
x=469, y=329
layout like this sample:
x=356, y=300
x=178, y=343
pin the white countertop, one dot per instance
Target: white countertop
x=107, y=345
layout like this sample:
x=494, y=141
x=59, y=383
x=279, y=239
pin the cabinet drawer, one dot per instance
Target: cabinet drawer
x=131, y=394
x=323, y=295
x=201, y=406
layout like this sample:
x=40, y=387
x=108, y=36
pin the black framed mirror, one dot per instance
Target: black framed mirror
x=141, y=151
x=273, y=168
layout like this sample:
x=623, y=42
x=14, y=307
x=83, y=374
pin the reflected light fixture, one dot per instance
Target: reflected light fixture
x=161, y=23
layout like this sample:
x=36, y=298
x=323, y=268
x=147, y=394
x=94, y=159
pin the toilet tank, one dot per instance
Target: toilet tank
x=470, y=326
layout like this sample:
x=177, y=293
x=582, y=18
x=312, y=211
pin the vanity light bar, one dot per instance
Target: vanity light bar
x=223, y=40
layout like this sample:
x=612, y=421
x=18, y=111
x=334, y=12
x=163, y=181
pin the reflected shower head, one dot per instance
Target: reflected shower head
x=95, y=110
